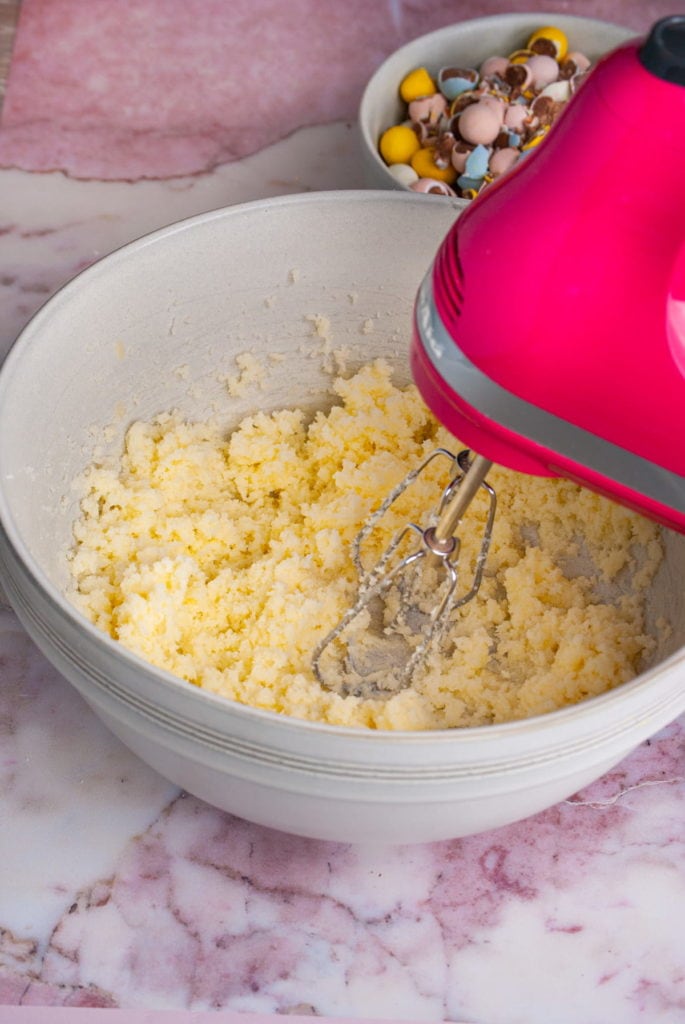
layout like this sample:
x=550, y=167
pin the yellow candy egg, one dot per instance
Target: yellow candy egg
x=554, y=36
x=416, y=84
x=535, y=140
x=425, y=166
x=520, y=56
x=398, y=144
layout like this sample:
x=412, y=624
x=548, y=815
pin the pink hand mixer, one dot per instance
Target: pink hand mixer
x=586, y=378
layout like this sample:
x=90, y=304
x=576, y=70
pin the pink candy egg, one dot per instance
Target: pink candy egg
x=431, y=186
x=493, y=66
x=480, y=123
x=519, y=76
x=581, y=62
x=459, y=156
x=502, y=160
x=496, y=103
x=544, y=70
x=515, y=116
x=428, y=108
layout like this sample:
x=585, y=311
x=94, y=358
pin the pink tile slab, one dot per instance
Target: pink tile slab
x=158, y=88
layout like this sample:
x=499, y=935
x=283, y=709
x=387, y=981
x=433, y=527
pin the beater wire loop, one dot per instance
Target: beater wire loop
x=401, y=610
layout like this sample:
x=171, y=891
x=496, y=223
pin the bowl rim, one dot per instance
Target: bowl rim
x=486, y=22
x=10, y=531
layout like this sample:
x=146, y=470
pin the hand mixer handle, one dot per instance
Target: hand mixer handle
x=663, y=52
x=541, y=335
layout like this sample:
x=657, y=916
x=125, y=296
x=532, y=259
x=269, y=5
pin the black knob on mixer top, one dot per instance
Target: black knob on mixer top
x=663, y=51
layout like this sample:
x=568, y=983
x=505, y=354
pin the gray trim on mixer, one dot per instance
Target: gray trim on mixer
x=543, y=428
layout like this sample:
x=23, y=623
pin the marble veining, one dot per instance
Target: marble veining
x=199, y=909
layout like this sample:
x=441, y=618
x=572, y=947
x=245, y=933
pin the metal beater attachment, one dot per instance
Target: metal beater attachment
x=404, y=602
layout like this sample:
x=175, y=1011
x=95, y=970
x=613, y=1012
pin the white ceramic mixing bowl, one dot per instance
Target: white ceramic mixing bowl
x=152, y=327
x=465, y=44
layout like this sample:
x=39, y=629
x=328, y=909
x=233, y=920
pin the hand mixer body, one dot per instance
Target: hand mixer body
x=549, y=335
x=550, y=332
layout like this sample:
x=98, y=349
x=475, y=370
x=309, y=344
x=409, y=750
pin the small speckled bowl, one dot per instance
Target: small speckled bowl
x=465, y=44
x=153, y=327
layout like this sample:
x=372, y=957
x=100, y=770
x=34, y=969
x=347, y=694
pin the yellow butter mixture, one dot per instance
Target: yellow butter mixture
x=225, y=558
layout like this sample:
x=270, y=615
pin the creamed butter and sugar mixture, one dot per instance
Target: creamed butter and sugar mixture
x=225, y=559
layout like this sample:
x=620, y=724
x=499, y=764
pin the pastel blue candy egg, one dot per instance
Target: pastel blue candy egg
x=477, y=162
x=451, y=83
x=465, y=181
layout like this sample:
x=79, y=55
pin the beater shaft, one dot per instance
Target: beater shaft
x=457, y=503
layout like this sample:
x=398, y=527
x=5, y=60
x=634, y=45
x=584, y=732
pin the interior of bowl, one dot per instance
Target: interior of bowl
x=158, y=326
x=466, y=44
x=315, y=281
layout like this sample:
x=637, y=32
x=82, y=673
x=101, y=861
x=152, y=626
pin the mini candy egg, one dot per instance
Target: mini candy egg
x=431, y=186
x=534, y=140
x=459, y=156
x=416, y=84
x=502, y=160
x=574, y=64
x=518, y=76
x=428, y=108
x=558, y=91
x=515, y=116
x=471, y=125
x=520, y=56
x=550, y=40
x=398, y=144
x=425, y=166
x=468, y=184
x=462, y=101
x=476, y=165
x=480, y=123
x=403, y=174
x=495, y=96
x=442, y=150
x=426, y=132
x=493, y=66
x=544, y=70
x=453, y=81
x=497, y=104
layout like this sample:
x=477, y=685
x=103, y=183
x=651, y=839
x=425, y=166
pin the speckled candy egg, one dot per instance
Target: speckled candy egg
x=502, y=160
x=459, y=156
x=433, y=187
x=404, y=174
x=575, y=63
x=544, y=70
x=515, y=116
x=493, y=66
x=428, y=108
x=480, y=123
x=454, y=81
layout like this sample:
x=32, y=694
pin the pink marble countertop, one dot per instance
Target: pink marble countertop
x=116, y=890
